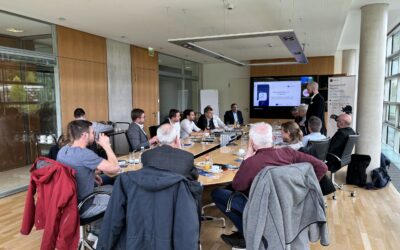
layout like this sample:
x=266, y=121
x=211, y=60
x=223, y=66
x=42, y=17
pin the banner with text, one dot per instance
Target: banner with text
x=342, y=92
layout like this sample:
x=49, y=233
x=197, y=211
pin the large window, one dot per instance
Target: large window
x=391, y=126
x=27, y=96
x=179, y=84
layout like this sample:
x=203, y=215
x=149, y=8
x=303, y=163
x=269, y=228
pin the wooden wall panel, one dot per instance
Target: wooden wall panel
x=9, y=42
x=145, y=84
x=83, y=74
x=142, y=60
x=323, y=65
x=80, y=45
x=83, y=84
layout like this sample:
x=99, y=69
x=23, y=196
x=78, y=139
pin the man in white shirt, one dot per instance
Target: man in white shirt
x=187, y=125
x=174, y=118
x=209, y=121
x=314, y=127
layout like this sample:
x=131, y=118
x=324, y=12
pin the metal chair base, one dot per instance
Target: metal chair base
x=211, y=218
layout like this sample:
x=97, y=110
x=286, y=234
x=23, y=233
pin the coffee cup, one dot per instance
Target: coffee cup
x=241, y=152
x=215, y=169
x=42, y=138
x=50, y=139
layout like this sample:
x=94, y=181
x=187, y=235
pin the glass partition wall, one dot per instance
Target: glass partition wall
x=179, y=84
x=391, y=105
x=27, y=96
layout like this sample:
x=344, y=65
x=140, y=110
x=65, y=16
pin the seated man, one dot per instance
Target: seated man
x=87, y=164
x=136, y=135
x=174, y=118
x=295, y=113
x=339, y=139
x=209, y=121
x=301, y=120
x=79, y=114
x=169, y=156
x=233, y=116
x=314, y=128
x=260, y=154
x=188, y=127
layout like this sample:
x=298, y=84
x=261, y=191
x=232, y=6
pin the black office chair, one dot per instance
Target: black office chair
x=120, y=147
x=85, y=222
x=153, y=130
x=336, y=162
x=319, y=149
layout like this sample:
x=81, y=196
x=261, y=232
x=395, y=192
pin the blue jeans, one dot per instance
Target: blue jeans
x=221, y=196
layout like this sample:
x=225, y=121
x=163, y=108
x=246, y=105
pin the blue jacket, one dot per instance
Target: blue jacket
x=151, y=209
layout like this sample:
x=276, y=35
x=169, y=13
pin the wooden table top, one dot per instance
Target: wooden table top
x=220, y=155
x=223, y=155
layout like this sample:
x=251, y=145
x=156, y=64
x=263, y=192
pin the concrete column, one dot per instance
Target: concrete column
x=349, y=62
x=371, y=80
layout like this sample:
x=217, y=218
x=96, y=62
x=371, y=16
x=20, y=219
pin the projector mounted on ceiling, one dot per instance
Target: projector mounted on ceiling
x=288, y=37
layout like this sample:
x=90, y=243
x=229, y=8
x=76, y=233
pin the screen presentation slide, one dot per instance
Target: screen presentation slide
x=277, y=94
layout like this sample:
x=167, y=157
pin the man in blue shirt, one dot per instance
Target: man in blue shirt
x=314, y=128
x=87, y=164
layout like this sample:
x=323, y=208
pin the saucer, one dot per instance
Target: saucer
x=216, y=172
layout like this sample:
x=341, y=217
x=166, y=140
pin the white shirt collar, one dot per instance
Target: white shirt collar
x=312, y=97
x=140, y=125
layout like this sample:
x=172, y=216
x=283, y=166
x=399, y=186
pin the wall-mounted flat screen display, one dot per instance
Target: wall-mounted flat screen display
x=274, y=97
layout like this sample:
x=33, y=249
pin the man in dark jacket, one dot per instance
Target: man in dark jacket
x=136, y=135
x=209, y=121
x=339, y=139
x=233, y=116
x=169, y=155
x=316, y=106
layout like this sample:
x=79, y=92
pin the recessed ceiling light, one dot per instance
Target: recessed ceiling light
x=270, y=45
x=14, y=30
x=62, y=18
x=188, y=67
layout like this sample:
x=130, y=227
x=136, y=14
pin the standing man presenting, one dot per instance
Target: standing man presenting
x=316, y=106
x=233, y=116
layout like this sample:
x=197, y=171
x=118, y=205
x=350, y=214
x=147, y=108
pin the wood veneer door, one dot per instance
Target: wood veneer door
x=145, y=94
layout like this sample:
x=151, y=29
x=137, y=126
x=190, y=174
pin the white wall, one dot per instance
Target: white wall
x=233, y=84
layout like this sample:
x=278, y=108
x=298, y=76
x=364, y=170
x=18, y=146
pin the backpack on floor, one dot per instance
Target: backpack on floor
x=356, y=170
x=380, y=176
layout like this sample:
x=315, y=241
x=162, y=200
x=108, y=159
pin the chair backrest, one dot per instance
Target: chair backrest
x=153, y=130
x=118, y=140
x=348, y=149
x=320, y=148
x=129, y=142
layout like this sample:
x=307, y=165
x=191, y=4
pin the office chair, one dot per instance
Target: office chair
x=336, y=162
x=153, y=130
x=85, y=222
x=319, y=149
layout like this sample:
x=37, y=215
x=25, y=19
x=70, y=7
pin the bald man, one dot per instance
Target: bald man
x=339, y=139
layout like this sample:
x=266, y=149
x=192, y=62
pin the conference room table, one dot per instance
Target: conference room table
x=201, y=151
